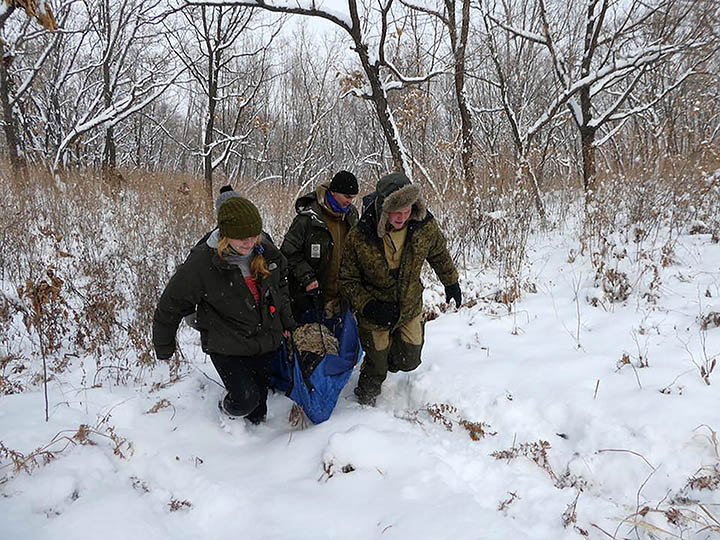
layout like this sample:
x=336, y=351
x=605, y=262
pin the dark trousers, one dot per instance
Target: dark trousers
x=243, y=377
x=385, y=350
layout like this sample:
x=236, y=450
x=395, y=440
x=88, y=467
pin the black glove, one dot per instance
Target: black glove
x=452, y=292
x=381, y=313
x=163, y=356
x=315, y=298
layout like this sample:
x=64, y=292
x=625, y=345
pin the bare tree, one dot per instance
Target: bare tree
x=101, y=67
x=521, y=92
x=381, y=74
x=312, y=81
x=600, y=52
x=9, y=122
x=8, y=94
x=229, y=75
x=455, y=15
x=115, y=71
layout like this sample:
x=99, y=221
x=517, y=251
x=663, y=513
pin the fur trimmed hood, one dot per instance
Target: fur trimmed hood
x=395, y=192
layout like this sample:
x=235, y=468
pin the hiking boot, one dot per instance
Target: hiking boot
x=258, y=415
x=224, y=411
x=363, y=398
x=392, y=366
x=256, y=420
x=230, y=408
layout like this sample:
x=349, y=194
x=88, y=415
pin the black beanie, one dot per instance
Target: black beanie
x=344, y=182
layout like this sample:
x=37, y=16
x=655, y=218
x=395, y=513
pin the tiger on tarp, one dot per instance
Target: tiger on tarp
x=314, y=371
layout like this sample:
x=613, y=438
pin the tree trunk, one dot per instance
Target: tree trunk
x=138, y=145
x=9, y=124
x=6, y=15
x=592, y=221
x=466, y=126
x=109, y=153
x=379, y=100
x=587, y=139
x=213, y=53
x=208, y=139
x=526, y=174
x=378, y=95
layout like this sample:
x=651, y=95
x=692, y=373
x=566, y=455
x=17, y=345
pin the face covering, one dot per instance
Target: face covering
x=334, y=204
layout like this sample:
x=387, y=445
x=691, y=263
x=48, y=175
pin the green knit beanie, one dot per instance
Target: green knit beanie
x=238, y=218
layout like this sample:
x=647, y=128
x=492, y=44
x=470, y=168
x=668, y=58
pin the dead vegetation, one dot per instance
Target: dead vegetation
x=102, y=247
x=88, y=270
x=330, y=469
x=537, y=452
x=14, y=461
x=679, y=514
x=297, y=418
x=176, y=504
x=89, y=266
x=447, y=416
x=710, y=320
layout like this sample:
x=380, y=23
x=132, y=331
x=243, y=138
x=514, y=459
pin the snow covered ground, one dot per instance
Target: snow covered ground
x=600, y=417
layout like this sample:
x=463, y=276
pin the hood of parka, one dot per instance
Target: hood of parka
x=395, y=192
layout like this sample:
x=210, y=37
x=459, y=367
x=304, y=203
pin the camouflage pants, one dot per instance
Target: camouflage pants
x=388, y=350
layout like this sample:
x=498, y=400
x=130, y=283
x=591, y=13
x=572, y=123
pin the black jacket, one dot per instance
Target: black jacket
x=308, y=244
x=229, y=321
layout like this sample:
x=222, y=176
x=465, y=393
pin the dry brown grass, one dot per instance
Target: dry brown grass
x=114, y=239
x=670, y=193
x=111, y=242
x=13, y=462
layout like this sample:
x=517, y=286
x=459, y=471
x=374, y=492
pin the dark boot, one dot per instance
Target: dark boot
x=403, y=356
x=246, y=379
x=242, y=402
x=232, y=410
x=393, y=366
x=259, y=415
x=368, y=388
x=364, y=398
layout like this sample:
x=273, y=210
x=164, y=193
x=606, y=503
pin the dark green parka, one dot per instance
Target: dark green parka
x=308, y=244
x=229, y=321
x=364, y=272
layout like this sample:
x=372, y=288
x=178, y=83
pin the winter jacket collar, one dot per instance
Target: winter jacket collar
x=313, y=205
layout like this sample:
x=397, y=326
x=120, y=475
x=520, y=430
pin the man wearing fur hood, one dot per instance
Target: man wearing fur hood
x=380, y=276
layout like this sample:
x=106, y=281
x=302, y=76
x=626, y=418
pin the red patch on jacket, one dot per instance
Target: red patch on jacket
x=251, y=283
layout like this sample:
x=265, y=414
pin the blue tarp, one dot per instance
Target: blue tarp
x=319, y=397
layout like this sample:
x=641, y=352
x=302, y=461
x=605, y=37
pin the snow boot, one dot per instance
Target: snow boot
x=364, y=398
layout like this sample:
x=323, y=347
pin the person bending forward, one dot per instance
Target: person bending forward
x=238, y=283
x=380, y=275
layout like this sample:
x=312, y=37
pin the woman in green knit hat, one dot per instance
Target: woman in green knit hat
x=237, y=282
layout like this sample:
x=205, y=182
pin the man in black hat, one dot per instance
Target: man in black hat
x=313, y=245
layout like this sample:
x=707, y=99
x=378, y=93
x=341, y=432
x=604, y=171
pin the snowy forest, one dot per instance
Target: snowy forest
x=570, y=152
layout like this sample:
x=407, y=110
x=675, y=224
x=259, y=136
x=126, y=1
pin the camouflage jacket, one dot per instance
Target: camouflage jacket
x=364, y=272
